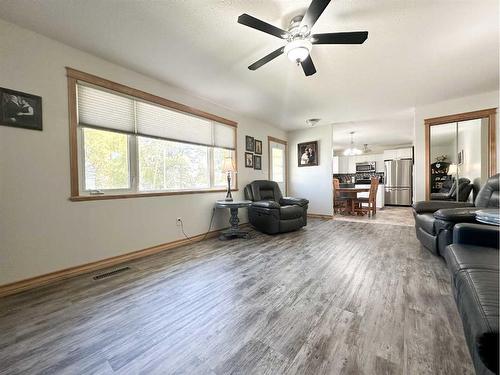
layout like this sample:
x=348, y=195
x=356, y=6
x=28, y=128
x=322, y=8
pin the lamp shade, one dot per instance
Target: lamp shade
x=228, y=165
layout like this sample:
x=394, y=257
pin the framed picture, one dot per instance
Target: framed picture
x=20, y=110
x=307, y=154
x=248, y=160
x=258, y=147
x=249, y=143
x=257, y=162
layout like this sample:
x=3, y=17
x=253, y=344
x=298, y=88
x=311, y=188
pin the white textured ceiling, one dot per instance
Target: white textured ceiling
x=381, y=134
x=417, y=52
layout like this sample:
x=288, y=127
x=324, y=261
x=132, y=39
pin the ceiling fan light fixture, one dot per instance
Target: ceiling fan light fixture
x=312, y=121
x=298, y=50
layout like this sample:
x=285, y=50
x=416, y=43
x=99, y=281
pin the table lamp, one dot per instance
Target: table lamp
x=228, y=167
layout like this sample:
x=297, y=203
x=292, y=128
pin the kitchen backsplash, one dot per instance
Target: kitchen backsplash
x=349, y=177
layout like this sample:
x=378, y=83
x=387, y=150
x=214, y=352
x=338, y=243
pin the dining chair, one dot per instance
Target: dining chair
x=370, y=201
x=339, y=201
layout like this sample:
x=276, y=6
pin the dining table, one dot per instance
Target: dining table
x=351, y=194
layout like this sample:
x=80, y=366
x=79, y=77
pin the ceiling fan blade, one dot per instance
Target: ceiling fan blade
x=255, y=23
x=266, y=59
x=353, y=37
x=308, y=66
x=313, y=12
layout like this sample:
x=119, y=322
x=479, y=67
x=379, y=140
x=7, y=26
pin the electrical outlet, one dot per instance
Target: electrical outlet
x=179, y=221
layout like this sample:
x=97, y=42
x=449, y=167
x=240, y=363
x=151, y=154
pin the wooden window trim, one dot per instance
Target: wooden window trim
x=126, y=90
x=490, y=113
x=285, y=143
x=83, y=198
x=74, y=76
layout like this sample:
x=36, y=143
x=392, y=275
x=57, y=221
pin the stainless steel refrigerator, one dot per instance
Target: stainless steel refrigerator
x=398, y=182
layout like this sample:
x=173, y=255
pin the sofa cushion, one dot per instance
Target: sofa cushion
x=477, y=235
x=460, y=257
x=426, y=222
x=476, y=294
x=261, y=190
x=488, y=195
x=291, y=212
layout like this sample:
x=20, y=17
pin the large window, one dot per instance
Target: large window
x=127, y=145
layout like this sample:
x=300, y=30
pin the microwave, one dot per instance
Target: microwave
x=368, y=166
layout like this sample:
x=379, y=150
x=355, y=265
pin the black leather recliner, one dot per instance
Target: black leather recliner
x=473, y=263
x=434, y=220
x=464, y=189
x=272, y=213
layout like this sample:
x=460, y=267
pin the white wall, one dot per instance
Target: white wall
x=40, y=229
x=449, y=107
x=313, y=183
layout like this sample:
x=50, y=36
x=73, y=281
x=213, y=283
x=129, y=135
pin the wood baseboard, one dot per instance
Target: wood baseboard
x=320, y=216
x=37, y=281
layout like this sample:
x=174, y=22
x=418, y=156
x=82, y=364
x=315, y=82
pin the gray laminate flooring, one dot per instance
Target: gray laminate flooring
x=334, y=298
x=388, y=215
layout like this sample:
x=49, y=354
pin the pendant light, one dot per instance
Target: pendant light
x=351, y=151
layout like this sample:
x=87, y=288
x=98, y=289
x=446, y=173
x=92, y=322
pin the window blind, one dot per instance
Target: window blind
x=169, y=124
x=107, y=109
x=104, y=109
x=224, y=136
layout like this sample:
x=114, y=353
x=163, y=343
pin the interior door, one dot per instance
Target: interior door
x=277, y=163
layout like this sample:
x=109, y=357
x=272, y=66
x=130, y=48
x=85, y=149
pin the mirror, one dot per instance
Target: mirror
x=458, y=159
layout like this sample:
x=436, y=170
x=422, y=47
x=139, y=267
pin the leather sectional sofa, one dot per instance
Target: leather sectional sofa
x=434, y=220
x=471, y=252
x=272, y=213
x=473, y=263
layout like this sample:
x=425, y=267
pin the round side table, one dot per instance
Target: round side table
x=489, y=216
x=234, y=230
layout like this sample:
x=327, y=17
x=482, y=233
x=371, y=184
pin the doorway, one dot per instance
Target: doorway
x=278, y=162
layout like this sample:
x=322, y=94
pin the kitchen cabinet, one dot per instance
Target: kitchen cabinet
x=343, y=165
x=399, y=153
x=405, y=153
x=347, y=164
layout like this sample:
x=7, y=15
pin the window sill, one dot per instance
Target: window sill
x=82, y=198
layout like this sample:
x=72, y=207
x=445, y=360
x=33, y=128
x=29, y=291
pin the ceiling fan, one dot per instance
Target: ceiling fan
x=298, y=37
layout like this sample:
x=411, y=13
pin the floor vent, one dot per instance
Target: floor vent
x=110, y=273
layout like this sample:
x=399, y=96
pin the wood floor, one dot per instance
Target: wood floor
x=394, y=215
x=335, y=298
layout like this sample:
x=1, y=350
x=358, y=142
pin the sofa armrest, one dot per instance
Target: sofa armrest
x=457, y=215
x=266, y=204
x=432, y=206
x=476, y=234
x=288, y=201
